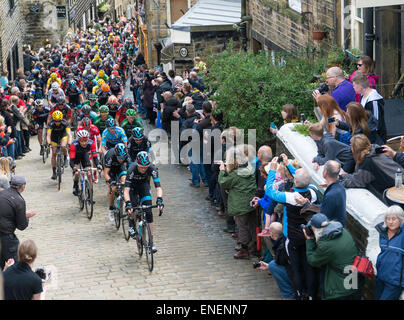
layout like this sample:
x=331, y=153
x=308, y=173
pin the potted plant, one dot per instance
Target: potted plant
x=103, y=7
x=336, y=57
x=318, y=32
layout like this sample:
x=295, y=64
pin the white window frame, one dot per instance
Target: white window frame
x=295, y=5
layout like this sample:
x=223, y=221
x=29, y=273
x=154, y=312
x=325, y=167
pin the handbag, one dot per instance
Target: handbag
x=363, y=265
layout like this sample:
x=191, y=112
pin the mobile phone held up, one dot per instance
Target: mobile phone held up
x=273, y=126
x=331, y=120
x=379, y=150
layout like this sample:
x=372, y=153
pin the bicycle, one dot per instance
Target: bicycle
x=86, y=192
x=118, y=211
x=60, y=168
x=45, y=146
x=143, y=236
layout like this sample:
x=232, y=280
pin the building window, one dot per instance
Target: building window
x=296, y=5
x=357, y=28
x=12, y=5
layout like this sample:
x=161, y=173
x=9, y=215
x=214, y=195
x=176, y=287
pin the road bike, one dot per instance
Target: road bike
x=118, y=211
x=86, y=192
x=45, y=146
x=143, y=236
x=60, y=168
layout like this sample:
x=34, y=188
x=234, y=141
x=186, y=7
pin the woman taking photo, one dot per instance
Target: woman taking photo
x=375, y=172
x=360, y=121
x=365, y=66
x=289, y=115
x=20, y=282
x=390, y=261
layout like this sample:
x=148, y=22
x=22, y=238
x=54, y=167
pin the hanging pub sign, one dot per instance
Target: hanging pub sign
x=61, y=12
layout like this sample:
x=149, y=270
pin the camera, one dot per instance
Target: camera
x=323, y=88
x=43, y=273
x=280, y=159
x=308, y=229
x=302, y=117
x=256, y=264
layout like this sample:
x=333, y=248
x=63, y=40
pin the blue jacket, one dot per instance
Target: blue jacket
x=334, y=203
x=390, y=261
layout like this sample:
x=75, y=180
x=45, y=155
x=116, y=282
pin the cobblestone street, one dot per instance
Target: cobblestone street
x=93, y=261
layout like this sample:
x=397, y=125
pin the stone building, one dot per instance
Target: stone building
x=11, y=36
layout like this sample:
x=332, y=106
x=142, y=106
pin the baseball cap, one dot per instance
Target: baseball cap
x=319, y=220
x=18, y=180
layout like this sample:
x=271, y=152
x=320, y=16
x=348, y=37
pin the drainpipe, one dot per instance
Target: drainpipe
x=243, y=24
x=368, y=31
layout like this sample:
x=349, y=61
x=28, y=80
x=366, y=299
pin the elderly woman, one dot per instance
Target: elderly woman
x=390, y=261
x=238, y=177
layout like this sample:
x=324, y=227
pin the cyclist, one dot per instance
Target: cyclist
x=113, y=106
x=64, y=108
x=98, y=86
x=89, y=84
x=103, y=94
x=138, y=184
x=102, y=75
x=130, y=122
x=100, y=121
x=40, y=115
x=53, y=79
x=89, y=71
x=116, y=160
x=74, y=95
x=138, y=143
x=116, y=86
x=58, y=133
x=54, y=94
x=80, y=151
x=86, y=112
x=93, y=103
x=125, y=106
x=112, y=135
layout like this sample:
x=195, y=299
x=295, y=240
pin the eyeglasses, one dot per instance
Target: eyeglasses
x=330, y=77
x=359, y=65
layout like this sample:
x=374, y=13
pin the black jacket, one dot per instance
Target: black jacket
x=281, y=256
x=399, y=158
x=374, y=137
x=12, y=212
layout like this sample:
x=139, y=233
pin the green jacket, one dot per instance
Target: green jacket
x=241, y=186
x=335, y=250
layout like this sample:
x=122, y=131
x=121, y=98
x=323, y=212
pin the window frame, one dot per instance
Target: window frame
x=293, y=7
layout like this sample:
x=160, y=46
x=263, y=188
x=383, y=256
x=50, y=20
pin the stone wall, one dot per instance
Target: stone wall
x=11, y=31
x=278, y=27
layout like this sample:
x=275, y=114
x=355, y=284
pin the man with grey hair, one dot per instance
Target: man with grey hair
x=303, y=275
x=342, y=90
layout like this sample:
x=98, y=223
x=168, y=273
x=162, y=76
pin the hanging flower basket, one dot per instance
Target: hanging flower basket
x=318, y=34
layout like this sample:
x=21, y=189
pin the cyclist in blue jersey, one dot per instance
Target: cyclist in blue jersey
x=112, y=135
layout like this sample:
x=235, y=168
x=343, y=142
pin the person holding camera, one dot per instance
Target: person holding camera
x=20, y=282
x=280, y=266
x=13, y=215
x=303, y=275
x=331, y=247
x=397, y=156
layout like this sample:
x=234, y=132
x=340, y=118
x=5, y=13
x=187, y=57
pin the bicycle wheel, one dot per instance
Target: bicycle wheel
x=125, y=225
x=44, y=154
x=59, y=169
x=81, y=198
x=88, y=199
x=148, y=244
x=117, y=216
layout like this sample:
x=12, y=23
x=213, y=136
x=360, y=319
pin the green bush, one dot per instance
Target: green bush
x=236, y=78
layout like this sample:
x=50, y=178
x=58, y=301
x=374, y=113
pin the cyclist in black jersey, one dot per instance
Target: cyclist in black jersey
x=137, y=184
x=137, y=143
x=40, y=115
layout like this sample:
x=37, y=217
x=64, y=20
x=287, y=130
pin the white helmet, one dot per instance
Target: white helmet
x=55, y=85
x=83, y=134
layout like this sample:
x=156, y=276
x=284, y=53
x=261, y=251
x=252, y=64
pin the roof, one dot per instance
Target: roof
x=207, y=13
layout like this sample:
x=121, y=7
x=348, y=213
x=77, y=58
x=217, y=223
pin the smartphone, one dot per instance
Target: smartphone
x=273, y=126
x=331, y=120
x=302, y=117
x=379, y=150
x=280, y=159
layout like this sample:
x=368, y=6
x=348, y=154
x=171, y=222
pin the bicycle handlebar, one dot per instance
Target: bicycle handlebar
x=143, y=207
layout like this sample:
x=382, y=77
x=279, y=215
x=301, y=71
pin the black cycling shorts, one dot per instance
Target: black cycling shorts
x=82, y=158
x=141, y=194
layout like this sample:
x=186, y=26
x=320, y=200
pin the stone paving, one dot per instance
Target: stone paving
x=92, y=260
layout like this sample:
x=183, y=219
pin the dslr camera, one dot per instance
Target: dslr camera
x=323, y=88
x=43, y=273
x=256, y=264
x=308, y=229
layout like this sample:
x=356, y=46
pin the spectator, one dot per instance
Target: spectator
x=264, y=156
x=199, y=64
x=289, y=115
x=375, y=172
x=303, y=275
x=13, y=215
x=195, y=82
x=4, y=81
x=237, y=176
x=365, y=66
x=397, y=156
x=330, y=149
x=178, y=82
x=4, y=173
x=10, y=121
x=18, y=118
x=390, y=261
x=28, y=60
x=360, y=121
x=342, y=90
x=280, y=265
x=20, y=282
x=148, y=92
x=372, y=101
x=332, y=248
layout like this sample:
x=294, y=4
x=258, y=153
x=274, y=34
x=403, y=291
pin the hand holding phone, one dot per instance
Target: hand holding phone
x=331, y=120
x=379, y=150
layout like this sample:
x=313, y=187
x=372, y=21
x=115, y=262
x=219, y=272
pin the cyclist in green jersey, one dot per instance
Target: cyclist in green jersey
x=93, y=103
x=100, y=121
x=131, y=122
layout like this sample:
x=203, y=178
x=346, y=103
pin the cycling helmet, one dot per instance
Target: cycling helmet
x=130, y=113
x=86, y=122
x=38, y=102
x=115, y=73
x=127, y=102
x=137, y=133
x=112, y=100
x=88, y=67
x=100, y=82
x=90, y=77
x=112, y=78
x=105, y=88
x=143, y=159
x=120, y=151
x=110, y=123
x=55, y=85
x=60, y=100
x=53, y=75
x=57, y=115
x=72, y=83
x=86, y=109
x=104, y=109
x=92, y=96
x=101, y=74
x=115, y=67
x=83, y=135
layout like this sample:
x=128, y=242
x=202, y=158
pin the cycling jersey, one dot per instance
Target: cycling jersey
x=134, y=148
x=80, y=155
x=58, y=132
x=50, y=81
x=117, y=169
x=103, y=96
x=109, y=140
x=67, y=111
x=115, y=88
x=100, y=123
x=113, y=110
x=128, y=127
x=135, y=177
x=53, y=97
x=40, y=117
x=94, y=132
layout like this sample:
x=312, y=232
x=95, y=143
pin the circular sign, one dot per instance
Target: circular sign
x=183, y=52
